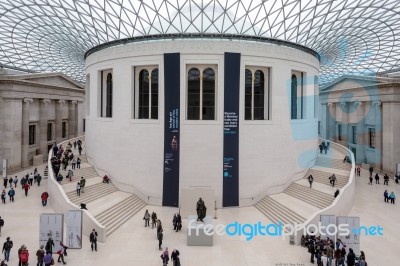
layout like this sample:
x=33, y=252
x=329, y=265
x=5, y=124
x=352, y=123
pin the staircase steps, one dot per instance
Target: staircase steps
x=311, y=196
x=327, y=162
x=323, y=178
x=87, y=172
x=117, y=215
x=277, y=212
x=91, y=193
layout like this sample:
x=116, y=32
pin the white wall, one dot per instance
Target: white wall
x=132, y=150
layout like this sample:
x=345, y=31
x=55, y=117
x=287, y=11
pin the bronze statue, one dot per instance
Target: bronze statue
x=201, y=210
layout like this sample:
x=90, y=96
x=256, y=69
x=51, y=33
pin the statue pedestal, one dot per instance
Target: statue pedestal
x=200, y=233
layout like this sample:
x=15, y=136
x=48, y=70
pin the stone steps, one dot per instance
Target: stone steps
x=112, y=218
x=323, y=178
x=91, y=193
x=277, y=212
x=311, y=196
x=87, y=173
x=327, y=162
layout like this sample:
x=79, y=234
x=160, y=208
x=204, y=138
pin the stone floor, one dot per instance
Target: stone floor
x=133, y=244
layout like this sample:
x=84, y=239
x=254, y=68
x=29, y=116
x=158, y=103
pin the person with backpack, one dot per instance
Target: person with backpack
x=40, y=256
x=24, y=256
x=44, y=198
x=7, y=246
x=1, y=224
x=11, y=194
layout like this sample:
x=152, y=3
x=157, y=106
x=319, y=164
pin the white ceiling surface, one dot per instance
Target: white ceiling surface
x=352, y=36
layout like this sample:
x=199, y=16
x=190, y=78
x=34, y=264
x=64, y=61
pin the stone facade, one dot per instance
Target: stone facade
x=36, y=111
x=363, y=114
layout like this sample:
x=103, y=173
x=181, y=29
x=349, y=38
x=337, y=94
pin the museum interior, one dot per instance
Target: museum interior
x=199, y=132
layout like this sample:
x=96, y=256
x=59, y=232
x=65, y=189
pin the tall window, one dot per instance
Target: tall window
x=146, y=93
x=201, y=94
x=371, y=137
x=339, y=128
x=64, y=130
x=87, y=95
x=32, y=134
x=297, y=95
x=256, y=106
x=106, y=93
x=354, y=134
x=49, y=131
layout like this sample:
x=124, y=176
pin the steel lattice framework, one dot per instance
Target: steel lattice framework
x=351, y=36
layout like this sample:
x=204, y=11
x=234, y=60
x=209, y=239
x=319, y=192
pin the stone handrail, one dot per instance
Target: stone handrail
x=343, y=203
x=60, y=202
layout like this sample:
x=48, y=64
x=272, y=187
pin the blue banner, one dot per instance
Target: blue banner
x=231, y=130
x=171, y=129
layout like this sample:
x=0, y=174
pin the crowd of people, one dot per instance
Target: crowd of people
x=387, y=197
x=156, y=223
x=326, y=252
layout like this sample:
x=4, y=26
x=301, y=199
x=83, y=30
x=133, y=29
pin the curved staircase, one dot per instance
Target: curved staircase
x=111, y=207
x=298, y=201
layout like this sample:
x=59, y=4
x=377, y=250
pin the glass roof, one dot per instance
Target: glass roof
x=351, y=36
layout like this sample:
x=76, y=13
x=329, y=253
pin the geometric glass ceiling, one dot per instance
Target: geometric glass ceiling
x=351, y=36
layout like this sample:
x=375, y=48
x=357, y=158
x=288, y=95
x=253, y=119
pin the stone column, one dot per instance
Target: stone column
x=324, y=121
x=43, y=118
x=361, y=131
x=72, y=122
x=344, y=107
x=25, y=132
x=58, y=120
x=378, y=133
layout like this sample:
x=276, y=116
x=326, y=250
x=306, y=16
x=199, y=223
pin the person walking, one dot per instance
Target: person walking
x=73, y=163
x=160, y=237
x=175, y=258
x=15, y=181
x=26, y=188
x=165, y=257
x=60, y=253
x=329, y=254
x=93, y=240
x=336, y=193
x=44, y=198
x=40, y=256
x=11, y=194
x=376, y=178
x=311, y=250
x=5, y=182
x=392, y=197
x=386, y=196
x=49, y=245
x=1, y=224
x=310, y=180
x=370, y=180
x=48, y=259
x=3, y=196
x=153, y=219
x=351, y=258
x=332, y=180
x=358, y=171
x=78, y=189
x=75, y=145
x=174, y=221
x=80, y=150
x=146, y=219
x=10, y=181
x=7, y=246
x=24, y=256
x=83, y=183
x=178, y=222
x=386, y=180
x=78, y=163
x=31, y=177
x=371, y=170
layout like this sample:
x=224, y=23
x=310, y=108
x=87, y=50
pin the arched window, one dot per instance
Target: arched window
x=146, y=93
x=293, y=97
x=109, y=95
x=193, y=99
x=106, y=93
x=297, y=105
x=256, y=94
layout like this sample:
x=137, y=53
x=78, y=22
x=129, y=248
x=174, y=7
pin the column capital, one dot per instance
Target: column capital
x=376, y=103
x=61, y=101
x=28, y=100
x=330, y=104
x=74, y=102
x=357, y=103
x=342, y=104
x=46, y=101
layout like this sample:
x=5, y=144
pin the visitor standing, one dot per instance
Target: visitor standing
x=38, y=179
x=49, y=245
x=78, y=163
x=1, y=224
x=386, y=180
x=146, y=219
x=377, y=178
x=165, y=257
x=40, y=256
x=3, y=196
x=26, y=188
x=48, y=259
x=153, y=219
x=24, y=256
x=175, y=258
x=5, y=182
x=386, y=196
x=44, y=198
x=78, y=189
x=80, y=150
x=310, y=180
x=11, y=194
x=83, y=183
x=93, y=240
x=10, y=181
x=392, y=197
x=160, y=237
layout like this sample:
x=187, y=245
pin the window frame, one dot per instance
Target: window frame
x=201, y=68
x=354, y=134
x=371, y=137
x=340, y=131
x=64, y=130
x=267, y=92
x=32, y=140
x=52, y=137
x=103, y=96
x=300, y=77
x=136, y=91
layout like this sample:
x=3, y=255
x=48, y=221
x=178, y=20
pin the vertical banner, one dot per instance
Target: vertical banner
x=328, y=226
x=231, y=130
x=74, y=229
x=171, y=129
x=51, y=226
x=4, y=169
x=352, y=240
